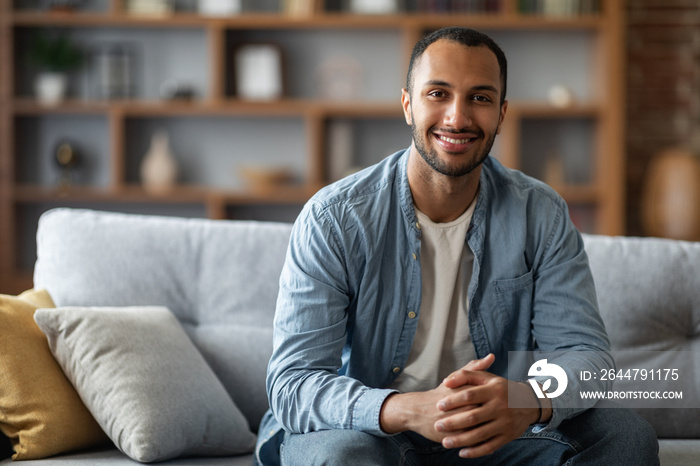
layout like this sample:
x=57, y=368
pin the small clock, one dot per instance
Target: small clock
x=67, y=158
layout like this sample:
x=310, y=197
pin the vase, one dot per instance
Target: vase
x=159, y=167
x=671, y=201
x=50, y=88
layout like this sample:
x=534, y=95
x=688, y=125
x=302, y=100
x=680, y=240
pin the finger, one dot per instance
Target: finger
x=478, y=393
x=476, y=437
x=483, y=449
x=463, y=420
x=456, y=379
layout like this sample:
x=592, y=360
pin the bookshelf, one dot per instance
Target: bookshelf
x=217, y=132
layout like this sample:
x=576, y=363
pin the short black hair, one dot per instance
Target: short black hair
x=468, y=38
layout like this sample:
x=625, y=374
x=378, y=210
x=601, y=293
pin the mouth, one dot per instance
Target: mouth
x=454, y=144
x=456, y=141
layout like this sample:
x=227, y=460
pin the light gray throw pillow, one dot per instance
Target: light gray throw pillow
x=145, y=383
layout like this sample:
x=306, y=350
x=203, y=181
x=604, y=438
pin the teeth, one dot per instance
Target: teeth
x=455, y=141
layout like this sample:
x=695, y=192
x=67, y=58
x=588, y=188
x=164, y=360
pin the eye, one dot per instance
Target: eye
x=481, y=98
x=437, y=94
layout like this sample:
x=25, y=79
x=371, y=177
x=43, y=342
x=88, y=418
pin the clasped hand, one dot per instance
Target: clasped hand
x=468, y=410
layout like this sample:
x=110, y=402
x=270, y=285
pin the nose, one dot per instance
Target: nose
x=458, y=114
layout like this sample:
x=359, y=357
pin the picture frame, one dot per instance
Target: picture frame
x=258, y=71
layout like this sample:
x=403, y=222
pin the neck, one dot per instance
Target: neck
x=442, y=198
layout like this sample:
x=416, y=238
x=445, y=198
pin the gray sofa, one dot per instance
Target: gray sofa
x=219, y=278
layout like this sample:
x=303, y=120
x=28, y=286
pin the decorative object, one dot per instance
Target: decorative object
x=159, y=168
x=561, y=96
x=64, y=6
x=671, y=202
x=150, y=7
x=300, y=7
x=145, y=382
x=41, y=411
x=56, y=56
x=113, y=71
x=219, y=7
x=171, y=89
x=67, y=158
x=341, y=148
x=340, y=78
x=259, y=72
x=266, y=177
x=374, y=7
x=554, y=170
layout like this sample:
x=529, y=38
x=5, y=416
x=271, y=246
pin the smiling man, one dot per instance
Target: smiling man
x=406, y=285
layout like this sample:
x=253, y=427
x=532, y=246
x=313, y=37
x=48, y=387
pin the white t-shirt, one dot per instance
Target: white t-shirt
x=442, y=343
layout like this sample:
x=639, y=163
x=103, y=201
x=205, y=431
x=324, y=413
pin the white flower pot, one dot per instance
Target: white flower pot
x=50, y=88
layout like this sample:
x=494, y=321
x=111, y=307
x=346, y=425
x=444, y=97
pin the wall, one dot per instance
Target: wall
x=663, y=87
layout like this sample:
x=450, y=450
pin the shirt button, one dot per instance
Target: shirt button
x=396, y=370
x=415, y=257
x=411, y=315
x=418, y=225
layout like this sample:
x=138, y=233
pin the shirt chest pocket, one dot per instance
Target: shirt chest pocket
x=514, y=298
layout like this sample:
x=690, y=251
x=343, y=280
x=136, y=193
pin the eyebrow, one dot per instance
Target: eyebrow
x=481, y=87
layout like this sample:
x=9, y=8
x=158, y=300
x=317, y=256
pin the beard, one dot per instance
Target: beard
x=431, y=156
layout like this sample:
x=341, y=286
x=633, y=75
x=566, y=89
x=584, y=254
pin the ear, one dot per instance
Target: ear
x=406, y=104
x=502, y=116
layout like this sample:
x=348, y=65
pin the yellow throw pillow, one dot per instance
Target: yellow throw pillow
x=40, y=411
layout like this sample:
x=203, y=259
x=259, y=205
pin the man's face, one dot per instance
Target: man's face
x=454, y=109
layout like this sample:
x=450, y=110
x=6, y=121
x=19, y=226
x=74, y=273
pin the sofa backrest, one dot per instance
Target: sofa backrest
x=649, y=297
x=220, y=278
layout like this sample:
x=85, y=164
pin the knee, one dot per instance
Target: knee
x=628, y=431
x=330, y=447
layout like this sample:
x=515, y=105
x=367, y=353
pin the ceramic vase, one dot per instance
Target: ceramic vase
x=159, y=167
x=671, y=202
x=50, y=88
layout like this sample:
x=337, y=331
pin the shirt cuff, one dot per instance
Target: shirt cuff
x=367, y=409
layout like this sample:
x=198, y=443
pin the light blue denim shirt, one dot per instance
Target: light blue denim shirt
x=351, y=282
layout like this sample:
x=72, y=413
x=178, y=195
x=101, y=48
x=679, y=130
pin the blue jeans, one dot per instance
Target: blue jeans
x=599, y=436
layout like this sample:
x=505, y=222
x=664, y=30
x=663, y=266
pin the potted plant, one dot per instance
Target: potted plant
x=55, y=56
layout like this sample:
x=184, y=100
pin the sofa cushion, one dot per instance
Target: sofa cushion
x=220, y=278
x=145, y=382
x=40, y=410
x=649, y=296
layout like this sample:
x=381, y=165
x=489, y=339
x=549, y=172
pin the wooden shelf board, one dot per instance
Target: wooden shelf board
x=178, y=195
x=281, y=107
x=227, y=107
x=319, y=20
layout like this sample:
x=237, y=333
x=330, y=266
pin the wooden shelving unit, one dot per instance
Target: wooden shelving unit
x=601, y=197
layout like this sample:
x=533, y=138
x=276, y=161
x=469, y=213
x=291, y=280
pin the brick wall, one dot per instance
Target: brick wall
x=663, y=87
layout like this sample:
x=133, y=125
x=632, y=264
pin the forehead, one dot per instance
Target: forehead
x=454, y=63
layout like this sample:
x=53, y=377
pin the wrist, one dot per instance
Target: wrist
x=392, y=418
x=544, y=414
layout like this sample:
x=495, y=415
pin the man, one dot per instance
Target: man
x=437, y=259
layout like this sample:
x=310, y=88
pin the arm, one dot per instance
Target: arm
x=305, y=390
